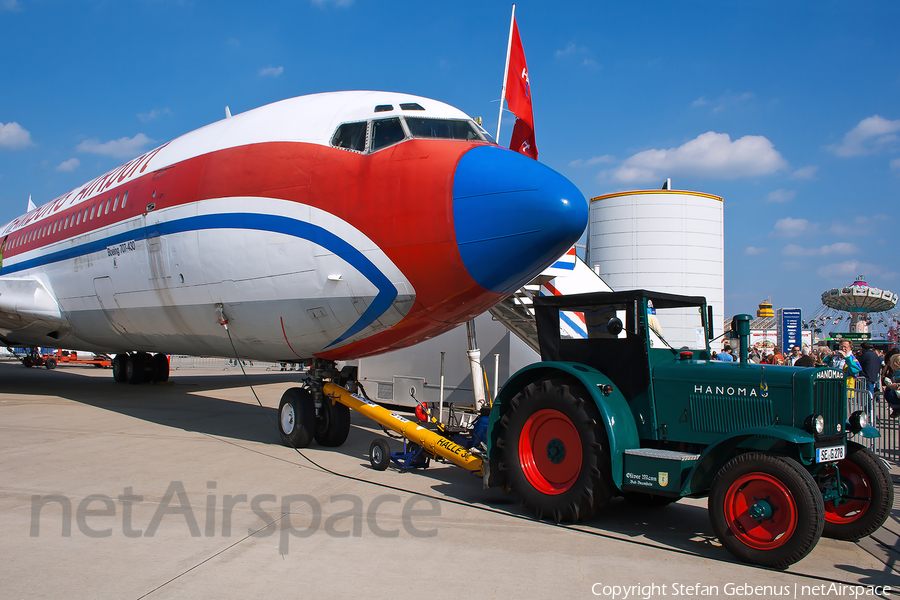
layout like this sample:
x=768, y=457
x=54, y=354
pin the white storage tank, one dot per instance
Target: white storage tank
x=662, y=240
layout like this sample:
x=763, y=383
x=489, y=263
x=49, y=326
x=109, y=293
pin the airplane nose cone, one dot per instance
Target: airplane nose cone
x=513, y=216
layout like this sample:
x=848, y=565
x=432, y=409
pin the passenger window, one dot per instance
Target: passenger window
x=115, y=202
x=106, y=212
x=124, y=198
x=386, y=132
x=348, y=135
x=445, y=129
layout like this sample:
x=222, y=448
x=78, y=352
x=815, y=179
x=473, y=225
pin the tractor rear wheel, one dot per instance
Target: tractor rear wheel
x=297, y=418
x=864, y=479
x=554, y=453
x=766, y=509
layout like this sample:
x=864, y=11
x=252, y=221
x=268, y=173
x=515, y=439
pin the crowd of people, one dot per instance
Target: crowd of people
x=880, y=368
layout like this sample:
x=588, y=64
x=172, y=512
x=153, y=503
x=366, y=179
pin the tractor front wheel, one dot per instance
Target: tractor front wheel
x=554, y=452
x=766, y=509
x=867, y=496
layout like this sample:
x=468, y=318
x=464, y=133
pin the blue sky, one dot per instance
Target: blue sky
x=789, y=110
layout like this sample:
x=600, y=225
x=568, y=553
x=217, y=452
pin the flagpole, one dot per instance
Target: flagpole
x=512, y=20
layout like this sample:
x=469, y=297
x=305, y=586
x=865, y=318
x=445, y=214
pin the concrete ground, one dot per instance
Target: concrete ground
x=164, y=491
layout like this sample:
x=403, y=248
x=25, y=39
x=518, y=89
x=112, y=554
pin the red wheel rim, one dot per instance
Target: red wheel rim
x=550, y=451
x=856, y=485
x=761, y=534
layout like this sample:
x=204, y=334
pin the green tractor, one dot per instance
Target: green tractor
x=615, y=408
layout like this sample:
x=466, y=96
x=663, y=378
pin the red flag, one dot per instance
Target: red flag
x=518, y=98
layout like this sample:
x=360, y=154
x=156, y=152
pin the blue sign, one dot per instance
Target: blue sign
x=790, y=332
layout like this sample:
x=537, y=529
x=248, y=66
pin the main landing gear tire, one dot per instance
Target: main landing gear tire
x=864, y=479
x=766, y=509
x=160, y=367
x=333, y=425
x=135, y=365
x=297, y=418
x=379, y=455
x=120, y=374
x=553, y=452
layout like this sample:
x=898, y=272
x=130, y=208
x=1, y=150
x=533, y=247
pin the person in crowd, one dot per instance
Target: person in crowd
x=805, y=360
x=795, y=354
x=892, y=382
x=725, y=355
x=870, y=363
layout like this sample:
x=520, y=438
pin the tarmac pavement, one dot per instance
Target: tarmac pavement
x=167, y=491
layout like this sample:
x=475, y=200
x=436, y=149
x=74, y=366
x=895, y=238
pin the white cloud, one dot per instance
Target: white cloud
x=808, y=172
x=11, y=5
x=153, y=114
x=596, y=160
x=338, y=3
x=788, y=227
x=871, y=135
x=711, y=155
x=727, y=100
x=121, y=148
x=781, y=195
x=69, y=165
x=840, y=248
x=272, y=72
x=753, y=251
x=847, y=269
x=570, y=48
x=13, y=136
x=895, y=164
x=859, y=225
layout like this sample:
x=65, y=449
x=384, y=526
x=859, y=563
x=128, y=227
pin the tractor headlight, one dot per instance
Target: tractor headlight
x=815, y=424
x=858, y=421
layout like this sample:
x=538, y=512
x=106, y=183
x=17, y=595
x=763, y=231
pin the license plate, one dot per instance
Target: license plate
x=830, y=454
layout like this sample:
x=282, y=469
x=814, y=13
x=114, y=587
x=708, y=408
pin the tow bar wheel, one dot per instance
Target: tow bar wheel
x=379, y=454
x=766, y=509
x=868, y=495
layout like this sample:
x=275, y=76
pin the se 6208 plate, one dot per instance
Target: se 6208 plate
x=830, y=454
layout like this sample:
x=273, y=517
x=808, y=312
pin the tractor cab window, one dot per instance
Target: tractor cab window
x=677, y=328
x=351, y=136
x=386, y=132
x=445, y=129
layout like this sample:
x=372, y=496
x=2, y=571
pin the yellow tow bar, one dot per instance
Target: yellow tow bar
x=433, y=443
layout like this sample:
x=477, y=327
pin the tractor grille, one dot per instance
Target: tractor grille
x=721, y=414
x=829, y=402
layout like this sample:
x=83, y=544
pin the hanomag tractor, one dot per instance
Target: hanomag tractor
x=616, y=409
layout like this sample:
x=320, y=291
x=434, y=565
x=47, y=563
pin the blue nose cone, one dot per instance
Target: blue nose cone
x=513, y=216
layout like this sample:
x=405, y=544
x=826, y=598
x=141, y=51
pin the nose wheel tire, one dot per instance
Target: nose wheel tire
x=866, y=483
x=766, y=509
x=554, y=452
x=297, y=418
x=379, y=455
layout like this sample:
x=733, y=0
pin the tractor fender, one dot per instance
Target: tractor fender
x=793, y=442
x=616, y=416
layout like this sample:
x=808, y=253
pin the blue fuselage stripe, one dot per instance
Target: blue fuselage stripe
x=386, y=295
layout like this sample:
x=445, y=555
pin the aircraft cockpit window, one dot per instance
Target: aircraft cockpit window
x=411, y=106
x=445, y=129
x=351, y=136
x=384, y=108
x=386, y=132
